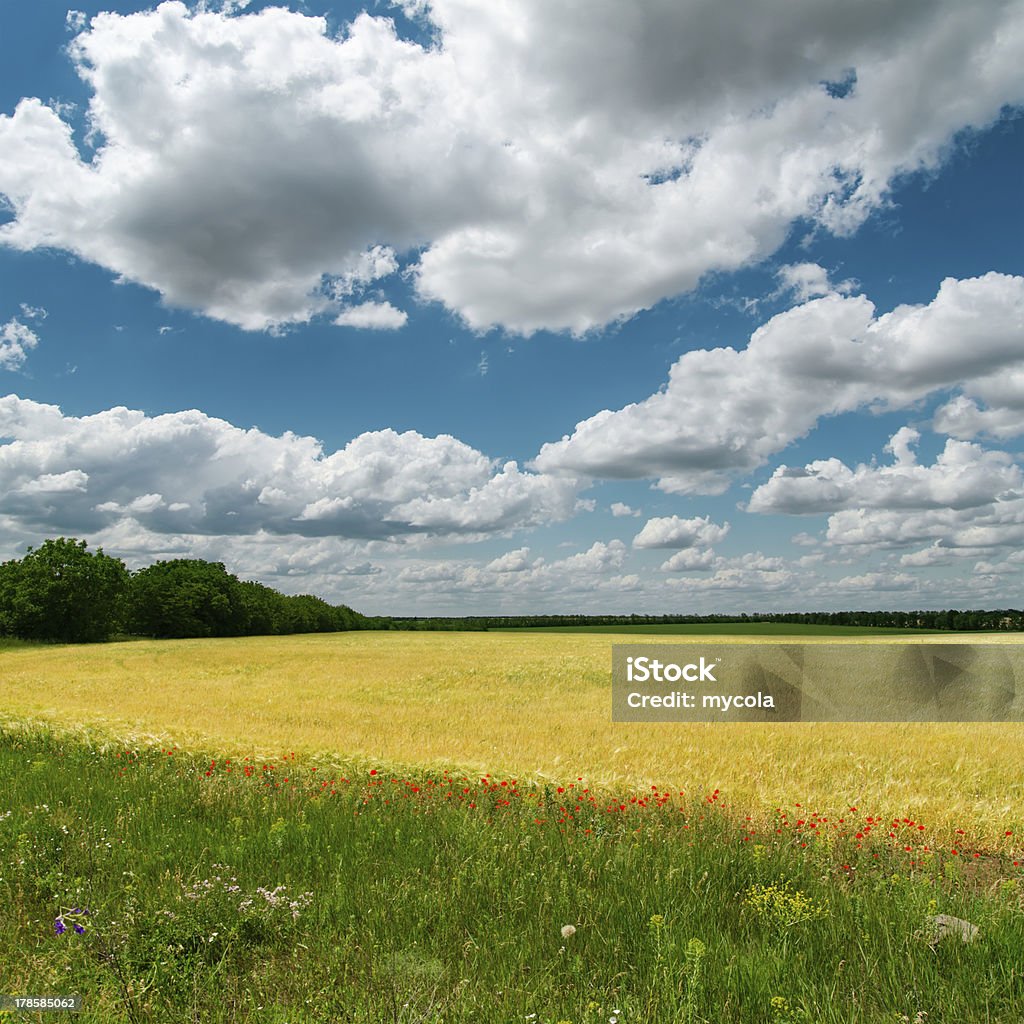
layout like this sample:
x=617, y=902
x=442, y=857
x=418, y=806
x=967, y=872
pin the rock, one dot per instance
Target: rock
x=943, y=926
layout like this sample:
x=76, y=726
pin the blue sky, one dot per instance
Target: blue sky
x=462, y=307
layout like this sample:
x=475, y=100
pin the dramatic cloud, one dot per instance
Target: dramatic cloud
x=544, y=165
x=15, y=342
x=187, y=473
x=725, y=412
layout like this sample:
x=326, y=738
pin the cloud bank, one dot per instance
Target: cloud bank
x=539, y=166
x=725, y=412
x=188, y=473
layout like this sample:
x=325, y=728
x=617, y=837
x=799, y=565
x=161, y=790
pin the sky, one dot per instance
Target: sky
x=521, y=306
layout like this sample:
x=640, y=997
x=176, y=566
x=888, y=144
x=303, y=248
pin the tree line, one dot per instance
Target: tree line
x=63, y=592
x=1009, y=619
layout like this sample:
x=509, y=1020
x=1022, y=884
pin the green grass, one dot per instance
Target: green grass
x=443, y=898
x=729, y=629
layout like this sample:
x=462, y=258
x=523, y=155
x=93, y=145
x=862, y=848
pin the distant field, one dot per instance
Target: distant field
x=532, y=704
x=737, y=629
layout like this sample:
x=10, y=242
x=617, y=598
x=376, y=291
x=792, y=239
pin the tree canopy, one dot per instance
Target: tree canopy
x=61, y=591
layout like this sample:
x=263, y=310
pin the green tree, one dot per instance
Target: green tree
x=61, y=591
x=186, y=597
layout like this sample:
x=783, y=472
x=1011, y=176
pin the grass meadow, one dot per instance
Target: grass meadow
x=427, y=827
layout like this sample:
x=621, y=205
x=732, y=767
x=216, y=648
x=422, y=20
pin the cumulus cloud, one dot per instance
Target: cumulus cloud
x=724, y=411
x=689, y=560
x=933, y=555
x=876, y=581
x=188, y=473
x=999, y=524
x=377, y=316
x=516, y=577
x=598, y=558
x=805, y=281
x=991, y=406
x=543, y=165
x=968, y=502
x=963, y=476
x=753, y=573
x=513, y=561
x=619, y=509
x=673, y=532
x=805, y=540
x=16, y=341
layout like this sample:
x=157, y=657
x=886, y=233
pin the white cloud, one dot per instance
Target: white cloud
x=187, y=473
x=620, y=509
x=598, y=558
x=747, y=580
x=554, y=165
x=933, y=555
x=876, y=581
x=805, y=540
x=809, y=281
x=376, y=316
x=689, y=560
x=963, y=476
x=992, y=406
x=968, y=502
x=513, y=561
x=56, y=483
x=724, y=412
x=370, y=266
x=16, y=341
x=673, y=532
x=979, y=530
x=1011, y=564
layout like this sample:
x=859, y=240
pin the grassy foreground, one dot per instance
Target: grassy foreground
x=536, y=704
x=163, y=886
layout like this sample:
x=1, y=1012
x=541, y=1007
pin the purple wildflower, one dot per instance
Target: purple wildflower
x=60, y=926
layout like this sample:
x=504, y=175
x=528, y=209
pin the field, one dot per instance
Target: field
x=535, y=704
x=736, y=629
x=448, y=827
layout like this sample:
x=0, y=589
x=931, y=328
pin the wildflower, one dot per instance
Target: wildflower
x=568, y=931
x=60, y=925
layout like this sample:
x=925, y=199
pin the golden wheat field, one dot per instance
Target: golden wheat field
x=526, y=704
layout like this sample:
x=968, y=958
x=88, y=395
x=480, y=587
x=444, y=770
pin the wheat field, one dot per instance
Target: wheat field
x=526, y=704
